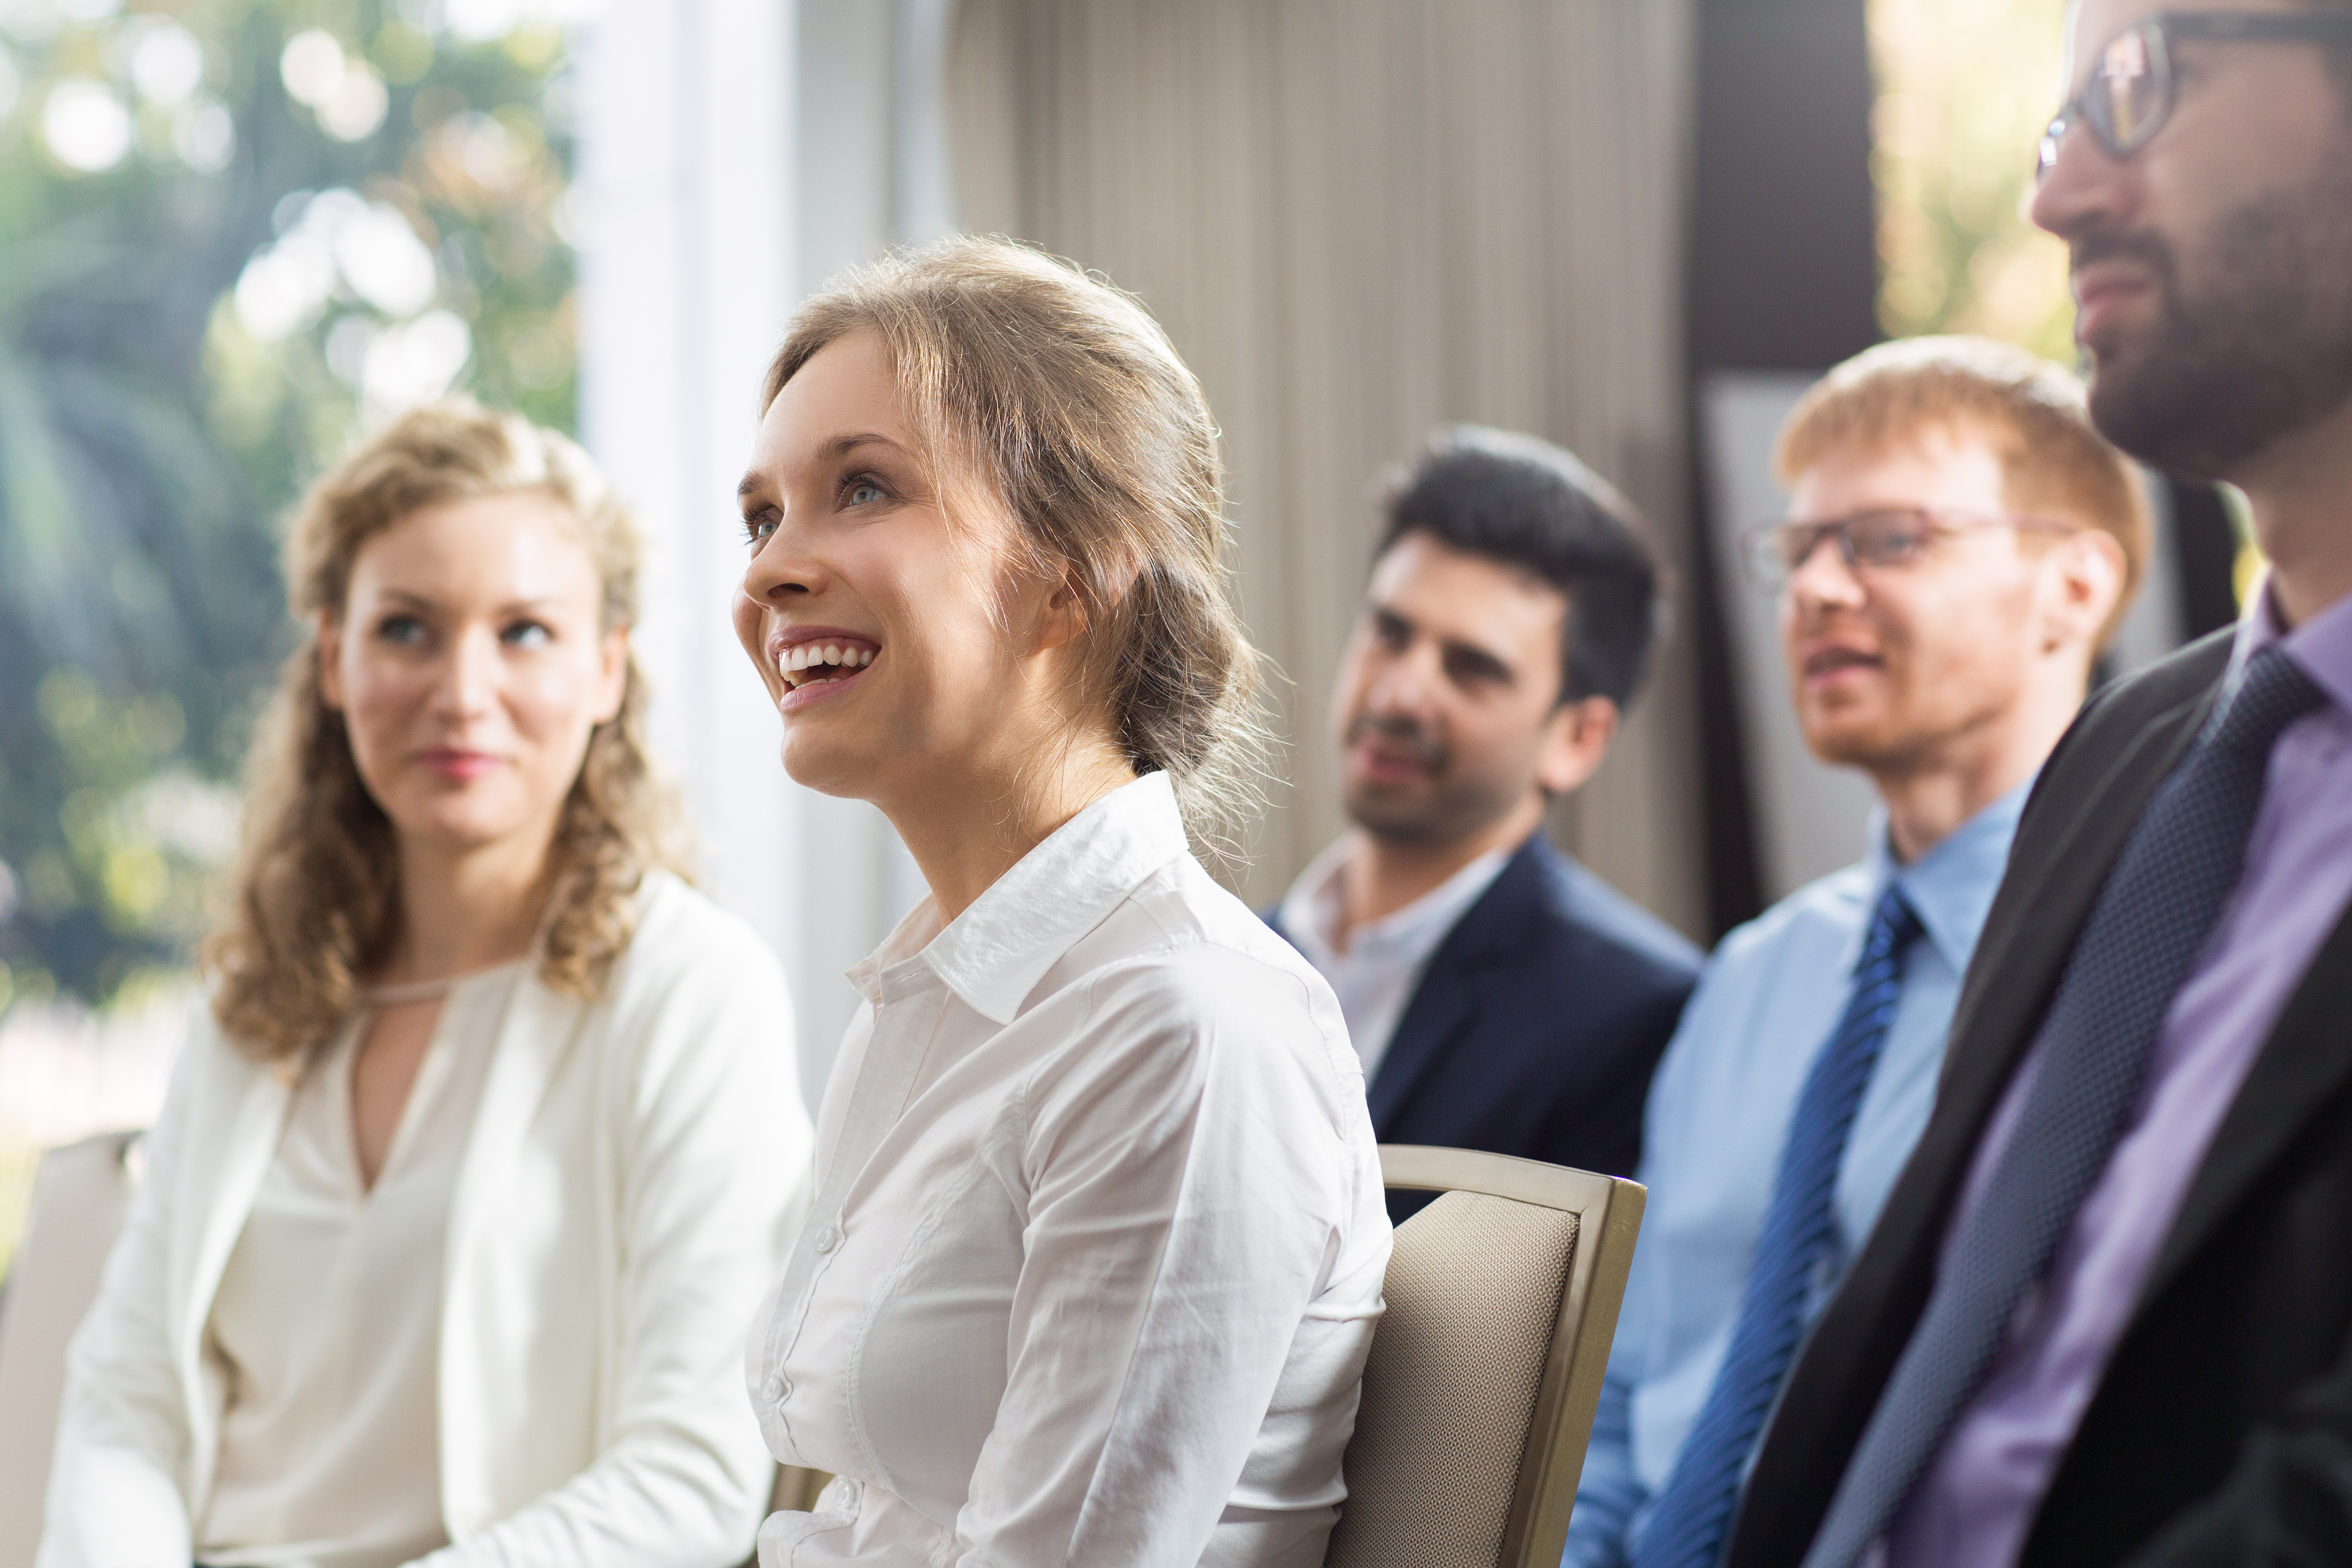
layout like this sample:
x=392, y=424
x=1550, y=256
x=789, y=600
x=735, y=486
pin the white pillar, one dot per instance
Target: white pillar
x=734, y=153
x=686, y=238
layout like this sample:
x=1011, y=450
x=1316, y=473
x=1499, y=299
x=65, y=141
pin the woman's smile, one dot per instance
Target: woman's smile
x=814, y=662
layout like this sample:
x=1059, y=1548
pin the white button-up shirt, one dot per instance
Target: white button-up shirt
x=1377, y=971
x=1097, y=1248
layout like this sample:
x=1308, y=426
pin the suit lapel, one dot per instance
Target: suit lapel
x=2301, y=1069
x=237, y=1165
x=2049, y=902
x=1446, y=1002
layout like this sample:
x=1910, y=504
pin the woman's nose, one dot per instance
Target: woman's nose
x=470, y=675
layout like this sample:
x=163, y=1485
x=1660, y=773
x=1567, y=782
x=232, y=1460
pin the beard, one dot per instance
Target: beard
x=2257, y=347
x=1455, y=804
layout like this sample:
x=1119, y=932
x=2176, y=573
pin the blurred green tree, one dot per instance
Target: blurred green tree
x=232, y=233
x=1965, y=87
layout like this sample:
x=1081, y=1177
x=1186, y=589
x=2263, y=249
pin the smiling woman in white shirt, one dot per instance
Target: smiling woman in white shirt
x=1098, y=1233
x=476, y=1169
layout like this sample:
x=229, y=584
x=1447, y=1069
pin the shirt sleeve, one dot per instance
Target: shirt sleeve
x=1612, y=1494
x=115, y=1476
x=1609, y=1493
x=1193, y=1188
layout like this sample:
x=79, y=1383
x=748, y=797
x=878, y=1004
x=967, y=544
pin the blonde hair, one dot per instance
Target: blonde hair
x=1062, y=395
x=312, y=903
x=2054, y=464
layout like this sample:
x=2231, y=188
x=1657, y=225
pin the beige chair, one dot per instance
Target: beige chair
x=1486, y=1371
x=79, y=1197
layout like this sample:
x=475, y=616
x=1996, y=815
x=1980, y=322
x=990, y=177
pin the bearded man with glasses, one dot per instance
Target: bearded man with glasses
x=2105, y=1316
x=1959, y=547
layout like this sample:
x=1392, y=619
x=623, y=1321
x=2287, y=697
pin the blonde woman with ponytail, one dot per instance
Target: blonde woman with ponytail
x=490, y=1137
x=1099, y=1234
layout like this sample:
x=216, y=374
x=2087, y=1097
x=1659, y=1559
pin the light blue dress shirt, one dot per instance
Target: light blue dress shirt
x=1718, y=1112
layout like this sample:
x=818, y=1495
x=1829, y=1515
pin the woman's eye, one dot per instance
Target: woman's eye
x=758, y=528
x=861, y=492
x=527, y=634
x=406, y=631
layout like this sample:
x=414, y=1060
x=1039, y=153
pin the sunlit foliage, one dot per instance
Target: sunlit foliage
x=231, y=232
x=1965, y=89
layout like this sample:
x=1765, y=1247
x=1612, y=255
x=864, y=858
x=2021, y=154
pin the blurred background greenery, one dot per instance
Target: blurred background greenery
x=230, y=230
x=1965, y=87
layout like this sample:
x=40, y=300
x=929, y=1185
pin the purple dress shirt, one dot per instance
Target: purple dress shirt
x=1976, y=1504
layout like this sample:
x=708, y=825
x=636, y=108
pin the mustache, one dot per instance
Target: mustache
x=1403, y=732
x=2142, y=245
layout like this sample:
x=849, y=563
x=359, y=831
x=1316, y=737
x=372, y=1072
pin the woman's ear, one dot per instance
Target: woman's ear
x=1066, y=614
x=613, y=675
x=327, y=646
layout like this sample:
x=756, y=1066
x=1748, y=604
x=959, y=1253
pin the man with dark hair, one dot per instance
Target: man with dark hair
x=2106, y=1313
x=1502, y=996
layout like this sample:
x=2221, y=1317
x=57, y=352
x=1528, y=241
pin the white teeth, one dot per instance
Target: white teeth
x=807, y=656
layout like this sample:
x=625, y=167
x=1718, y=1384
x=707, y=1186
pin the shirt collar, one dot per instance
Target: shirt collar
x=994, y=954
x=1311, y=911
x=1950, y=888
x=2321, y=645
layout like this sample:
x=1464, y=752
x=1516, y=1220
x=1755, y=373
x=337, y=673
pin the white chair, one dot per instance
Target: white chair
x=79, y=1197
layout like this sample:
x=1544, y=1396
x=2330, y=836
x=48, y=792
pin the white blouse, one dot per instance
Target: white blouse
x=1097, y=1246
x=323, y=1341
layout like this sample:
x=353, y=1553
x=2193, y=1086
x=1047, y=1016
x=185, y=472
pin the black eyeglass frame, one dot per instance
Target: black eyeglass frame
x=1770, y=568
x=2160, y=32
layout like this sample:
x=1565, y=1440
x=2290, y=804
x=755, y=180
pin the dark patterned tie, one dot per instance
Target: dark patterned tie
x=1692, y=1517
x=2136, y=951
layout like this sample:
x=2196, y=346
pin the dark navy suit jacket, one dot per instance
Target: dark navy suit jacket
x=1536, y=1027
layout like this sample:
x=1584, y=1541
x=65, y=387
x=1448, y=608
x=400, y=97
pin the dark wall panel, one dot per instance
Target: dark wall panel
x=1783, y=276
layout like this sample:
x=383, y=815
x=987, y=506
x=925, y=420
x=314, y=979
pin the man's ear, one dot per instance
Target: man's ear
x=2085, y=578
x=1576, y=737
x=327, y=646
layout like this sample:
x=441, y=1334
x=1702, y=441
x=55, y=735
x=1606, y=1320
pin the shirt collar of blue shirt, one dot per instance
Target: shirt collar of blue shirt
x=1951, y=886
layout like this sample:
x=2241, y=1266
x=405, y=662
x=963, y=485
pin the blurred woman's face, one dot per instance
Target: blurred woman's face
x=470, y=670
x=868, y=611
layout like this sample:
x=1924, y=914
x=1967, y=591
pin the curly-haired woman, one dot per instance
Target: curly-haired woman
x=1099, y=1234
x=478, y=1164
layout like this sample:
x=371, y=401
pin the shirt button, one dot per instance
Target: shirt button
x=827, y=1239
x=774, y=1389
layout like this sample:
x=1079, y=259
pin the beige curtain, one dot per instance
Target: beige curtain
x=1360, y=219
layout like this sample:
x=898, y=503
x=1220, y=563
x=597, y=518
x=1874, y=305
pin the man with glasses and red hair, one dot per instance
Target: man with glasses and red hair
x=1959, y=546
x=2105, y=1316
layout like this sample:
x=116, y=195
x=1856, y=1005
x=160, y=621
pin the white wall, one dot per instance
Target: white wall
x=733, y=154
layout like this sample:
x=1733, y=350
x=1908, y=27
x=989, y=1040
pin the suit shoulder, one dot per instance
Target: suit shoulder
x=2122, y=706
x=1581, y=907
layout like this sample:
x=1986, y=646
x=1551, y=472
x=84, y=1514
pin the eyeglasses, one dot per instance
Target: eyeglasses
x=1889, y=539
x=2129, y=94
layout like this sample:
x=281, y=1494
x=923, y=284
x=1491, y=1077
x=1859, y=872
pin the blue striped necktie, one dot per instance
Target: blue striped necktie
x=2152, y=917
x=1691, y=1519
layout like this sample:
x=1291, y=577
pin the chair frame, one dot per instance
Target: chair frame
x=1609, y=1218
